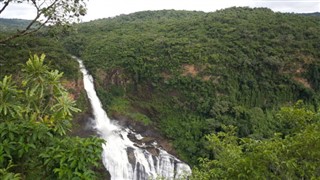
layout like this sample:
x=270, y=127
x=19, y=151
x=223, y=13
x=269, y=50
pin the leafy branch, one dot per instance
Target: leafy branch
x=48, y=12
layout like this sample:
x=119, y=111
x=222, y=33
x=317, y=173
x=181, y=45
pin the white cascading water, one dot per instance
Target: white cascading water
x=141, y=165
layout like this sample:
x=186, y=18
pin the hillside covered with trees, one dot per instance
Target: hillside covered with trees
x=38, y=113
x=236, y=91
x=191, y=74
x=7, y=25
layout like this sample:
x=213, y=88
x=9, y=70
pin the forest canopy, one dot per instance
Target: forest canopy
x=235, y=91
x=190, y=74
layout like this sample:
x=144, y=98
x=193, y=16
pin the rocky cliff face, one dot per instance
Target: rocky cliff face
x=75, y=87
x=150, y=133
x=82, y=125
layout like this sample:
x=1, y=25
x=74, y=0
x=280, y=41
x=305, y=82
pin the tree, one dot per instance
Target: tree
x=48, y=12
x=35, y=115
x=294, y=156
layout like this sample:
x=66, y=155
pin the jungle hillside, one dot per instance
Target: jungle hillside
x=246, y=73
x=235, y=92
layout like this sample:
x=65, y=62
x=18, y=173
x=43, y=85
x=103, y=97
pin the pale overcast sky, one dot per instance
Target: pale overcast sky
x=110, y=8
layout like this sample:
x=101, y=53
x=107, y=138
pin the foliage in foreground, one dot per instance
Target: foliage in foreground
x=35, y=115
x=56, y=12
x=292, y=156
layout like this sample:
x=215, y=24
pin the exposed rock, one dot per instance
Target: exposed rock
x=189, y=69
x=302, y=81
x=131, y=157
x=113, y=77
x=74, y=87
x=83, y=125
x=150, y=135
x=153, y=151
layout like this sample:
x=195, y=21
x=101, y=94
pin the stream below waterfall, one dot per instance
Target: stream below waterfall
x=123, y=158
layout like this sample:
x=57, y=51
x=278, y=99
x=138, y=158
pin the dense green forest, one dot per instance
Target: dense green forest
x=16, y=52
x=8, y=25
x=236, y=91
x=191, y=73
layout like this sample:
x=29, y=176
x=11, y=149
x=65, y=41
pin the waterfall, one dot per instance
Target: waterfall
x=124, y=159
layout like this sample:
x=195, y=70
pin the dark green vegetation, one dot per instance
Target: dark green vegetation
x=7, y=25
x=311, y=14
x=36, y=110
x=192, y=73
x=15, y=52
x=221, y=86
x=35, y=116
x=293, y=156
